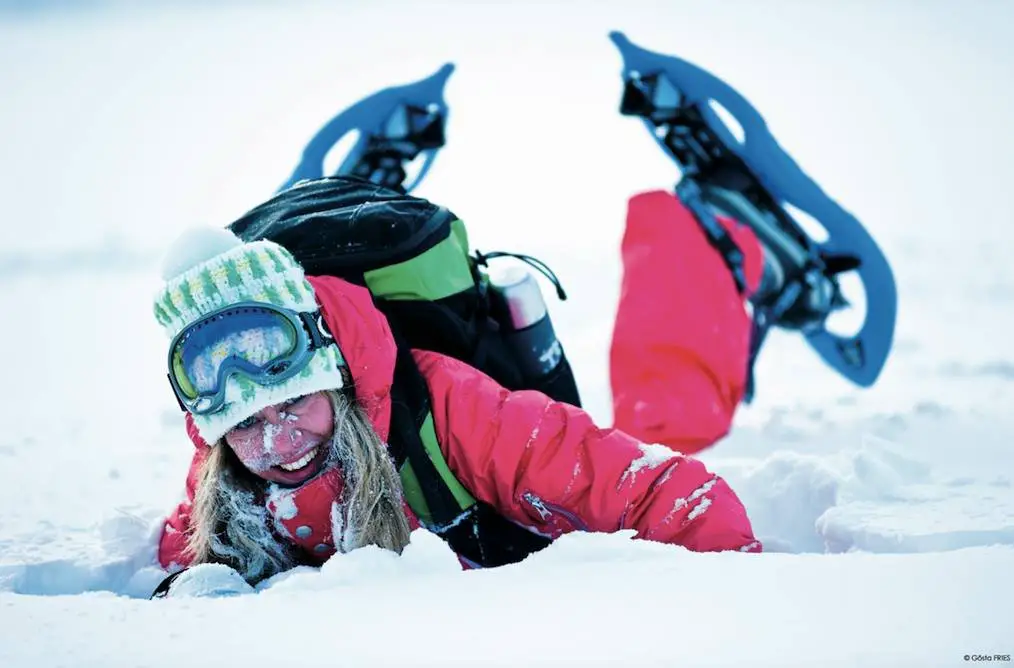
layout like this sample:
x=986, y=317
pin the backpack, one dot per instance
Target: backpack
x=414, y=258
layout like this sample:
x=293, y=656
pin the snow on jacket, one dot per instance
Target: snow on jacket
x=541, y=463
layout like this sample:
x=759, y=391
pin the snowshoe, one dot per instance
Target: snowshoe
x=396, y=126
x=752, y=180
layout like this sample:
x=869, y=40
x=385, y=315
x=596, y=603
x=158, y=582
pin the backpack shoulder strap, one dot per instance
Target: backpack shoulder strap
x=430, y=488
x=474, y=530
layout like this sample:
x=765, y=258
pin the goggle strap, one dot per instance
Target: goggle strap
x=176, y=394
x=317, y=329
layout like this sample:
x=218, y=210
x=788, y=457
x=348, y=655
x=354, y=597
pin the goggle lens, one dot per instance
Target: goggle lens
x=258, y=342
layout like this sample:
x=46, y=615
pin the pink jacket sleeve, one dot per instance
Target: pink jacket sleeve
x=547, y=466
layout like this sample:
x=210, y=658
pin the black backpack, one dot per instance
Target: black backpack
x=389, y=242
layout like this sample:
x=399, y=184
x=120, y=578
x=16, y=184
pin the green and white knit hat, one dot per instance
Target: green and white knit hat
x=206, y=269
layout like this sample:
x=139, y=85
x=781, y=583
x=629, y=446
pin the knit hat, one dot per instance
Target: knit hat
x=206, y=269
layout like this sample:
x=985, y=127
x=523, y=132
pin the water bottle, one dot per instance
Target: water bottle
x=518, y=306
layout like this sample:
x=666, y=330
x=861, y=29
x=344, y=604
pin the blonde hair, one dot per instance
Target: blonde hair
x=230, y=522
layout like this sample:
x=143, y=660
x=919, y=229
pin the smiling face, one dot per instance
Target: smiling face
x=287, y=443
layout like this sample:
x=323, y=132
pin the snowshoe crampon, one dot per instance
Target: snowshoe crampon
x=399, y=127
x=753, y=180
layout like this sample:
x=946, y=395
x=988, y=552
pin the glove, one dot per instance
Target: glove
x=203, y=581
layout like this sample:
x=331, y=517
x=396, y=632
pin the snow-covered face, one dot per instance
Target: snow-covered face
x=286, y=443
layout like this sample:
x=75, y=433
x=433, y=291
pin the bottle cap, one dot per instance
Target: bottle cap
x=521, y=294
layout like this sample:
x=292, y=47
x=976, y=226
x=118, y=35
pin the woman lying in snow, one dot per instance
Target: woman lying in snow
x=290, y=469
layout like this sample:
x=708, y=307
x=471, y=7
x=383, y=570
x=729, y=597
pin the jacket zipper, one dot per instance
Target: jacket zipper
x=546, y=511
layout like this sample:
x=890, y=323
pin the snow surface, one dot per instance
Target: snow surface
x=887, y=514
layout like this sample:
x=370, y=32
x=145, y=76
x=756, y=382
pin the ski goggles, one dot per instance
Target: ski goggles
x=265, y=343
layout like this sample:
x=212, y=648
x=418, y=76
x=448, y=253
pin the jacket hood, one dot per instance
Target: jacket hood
x=366, y=342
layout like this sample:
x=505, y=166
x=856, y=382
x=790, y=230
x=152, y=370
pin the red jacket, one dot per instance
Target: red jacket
x=541, y=463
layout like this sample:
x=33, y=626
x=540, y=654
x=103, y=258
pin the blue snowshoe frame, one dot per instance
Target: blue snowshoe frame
x=859, y=358
x=395, y=125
